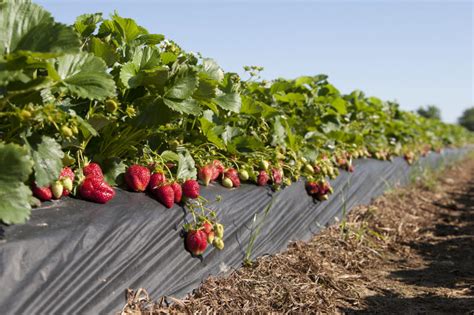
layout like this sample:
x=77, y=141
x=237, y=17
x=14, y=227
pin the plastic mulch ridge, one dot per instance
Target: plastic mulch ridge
x=74, y=256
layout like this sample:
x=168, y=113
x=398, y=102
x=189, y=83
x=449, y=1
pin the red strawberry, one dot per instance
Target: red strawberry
x=262, y=178
x=191, y=188
x=206, y=173
x=96, y=190
x=165, y=195
x=156, y=179
x=351, y=168
x=93, y=169
x=207, y=227
x=277, y=176
x=42, y=193
x=312, y=188
x=137, y=177
x=67, y=172
x=234, y=176
x=324, y=188
x=196, y=241
x=178, y=192
x=218, y=169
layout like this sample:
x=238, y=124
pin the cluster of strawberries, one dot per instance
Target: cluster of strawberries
x=139, y=178
x=345, y=162
x=319, y=189
x=92, y=185
x=62, y=187
x=231, y=178
x=197, y=238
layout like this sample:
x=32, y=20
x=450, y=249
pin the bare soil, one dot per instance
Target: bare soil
x=410, y=252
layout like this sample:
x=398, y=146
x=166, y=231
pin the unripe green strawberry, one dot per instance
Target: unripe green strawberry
x=219, y=229
x=210, y=237
x=243, y=175
x=25, y=114
x=227, y=182
x=308, y=168
x=74, y=129
x=304, y=160
x=279, y=156
x=67, y=183
x=57, y=189
x=66, y=131
x=264, y=165
x=287, y=181
x=218, y=243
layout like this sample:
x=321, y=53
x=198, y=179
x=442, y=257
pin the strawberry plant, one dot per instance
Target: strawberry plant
x=120, y=106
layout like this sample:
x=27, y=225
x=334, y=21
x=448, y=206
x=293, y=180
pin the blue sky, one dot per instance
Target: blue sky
x=415, y=52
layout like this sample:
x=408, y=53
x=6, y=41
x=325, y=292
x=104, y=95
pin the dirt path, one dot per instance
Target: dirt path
x=409, y=252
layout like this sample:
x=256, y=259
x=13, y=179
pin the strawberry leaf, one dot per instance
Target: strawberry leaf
x=47, y=156
x=183, y=87
x=27, y=26
x=230, y=102
x=15, y=167
x=186, y=166
x=84, y=75
x=188, y=106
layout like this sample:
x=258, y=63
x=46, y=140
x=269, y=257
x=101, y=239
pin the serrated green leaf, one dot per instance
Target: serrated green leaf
x=168, y=57
x=47, y=157
x=86, y=24
x=183, y=87
x=14, y=202
x=209, y=130
x=102, y=50
x=169, y=156
x=84, y=75
x=212, y=69
x=229, y=133
x=128, y=75
x=152, y=112
x=150, y=39
x=15, y=163
x=126, y=28
x=188, y=106
x=113, y=171
x=27, y=26
x=207, y=87
x=186, y=166
x=340, y=105
x=279, y=133
x=15, y=168
x=86, y=128
x=255, y=107
x=245, y=144
x=231, y=102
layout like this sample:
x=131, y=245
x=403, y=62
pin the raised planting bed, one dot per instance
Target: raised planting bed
x=74, y=256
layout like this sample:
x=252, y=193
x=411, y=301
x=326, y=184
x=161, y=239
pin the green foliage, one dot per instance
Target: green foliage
x=430, y=111
x=467, y=119
x=15, y=167
x=105, y=89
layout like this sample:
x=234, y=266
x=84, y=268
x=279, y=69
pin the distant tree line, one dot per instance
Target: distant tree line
x=431, y=111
